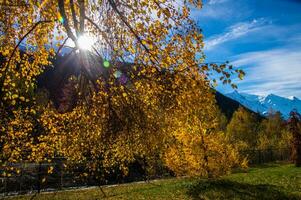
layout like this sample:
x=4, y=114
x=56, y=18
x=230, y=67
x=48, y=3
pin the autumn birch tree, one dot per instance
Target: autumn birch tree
x=163, y=104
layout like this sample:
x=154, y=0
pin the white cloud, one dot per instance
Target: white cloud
x=274, y=71
x=234, y=32
x=213, y=2
x=215, y=9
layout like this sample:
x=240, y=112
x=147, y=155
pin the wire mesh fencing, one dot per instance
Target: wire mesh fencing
x=261, y=156
x=35, y=177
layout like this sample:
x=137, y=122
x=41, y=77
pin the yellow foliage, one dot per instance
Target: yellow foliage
x=166, y=110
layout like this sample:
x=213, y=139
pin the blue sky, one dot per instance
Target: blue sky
x=263, y=37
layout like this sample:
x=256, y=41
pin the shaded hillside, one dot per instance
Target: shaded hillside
x=56, y=81
x=61, y=91
x=228, y=106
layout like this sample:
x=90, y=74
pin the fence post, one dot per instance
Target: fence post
x=20, y=177
x=260, y=156
x=281, y=154
x=5, y=186
x=39, y=177
x=61, y=174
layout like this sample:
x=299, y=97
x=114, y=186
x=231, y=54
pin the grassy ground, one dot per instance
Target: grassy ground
x=268, y=182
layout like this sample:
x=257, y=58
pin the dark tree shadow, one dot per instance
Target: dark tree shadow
x=226, y=189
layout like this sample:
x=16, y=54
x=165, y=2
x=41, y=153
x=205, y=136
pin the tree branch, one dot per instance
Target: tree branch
x=21, y=40
x=60, y=48
x=15, y=49
x=66, y=22
x=75, y=22
x=113, y=5
x=104, y=36
x=82, y=16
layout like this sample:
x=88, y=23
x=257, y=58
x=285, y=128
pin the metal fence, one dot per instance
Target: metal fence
x=267, y=155
x=33, y=177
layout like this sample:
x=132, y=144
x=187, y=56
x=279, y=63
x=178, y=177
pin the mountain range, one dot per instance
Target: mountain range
x=265, y=104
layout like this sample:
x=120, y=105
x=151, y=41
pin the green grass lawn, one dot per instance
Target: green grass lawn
x=264, y=182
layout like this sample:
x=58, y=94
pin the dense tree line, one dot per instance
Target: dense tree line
x=249, y=131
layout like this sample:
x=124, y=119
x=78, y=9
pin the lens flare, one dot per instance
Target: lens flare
x=117, y=74
x=106, y=64
x=60, y=18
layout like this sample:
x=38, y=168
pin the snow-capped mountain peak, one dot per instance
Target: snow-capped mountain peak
x=293, y=98
x=265, y=104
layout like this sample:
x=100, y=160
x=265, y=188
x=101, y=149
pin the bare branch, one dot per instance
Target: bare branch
x=60, y=48
x=82, y=16
x=75, y=22
x=66, y=22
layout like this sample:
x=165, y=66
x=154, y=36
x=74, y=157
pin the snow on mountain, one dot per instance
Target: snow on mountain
x=265, y=104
